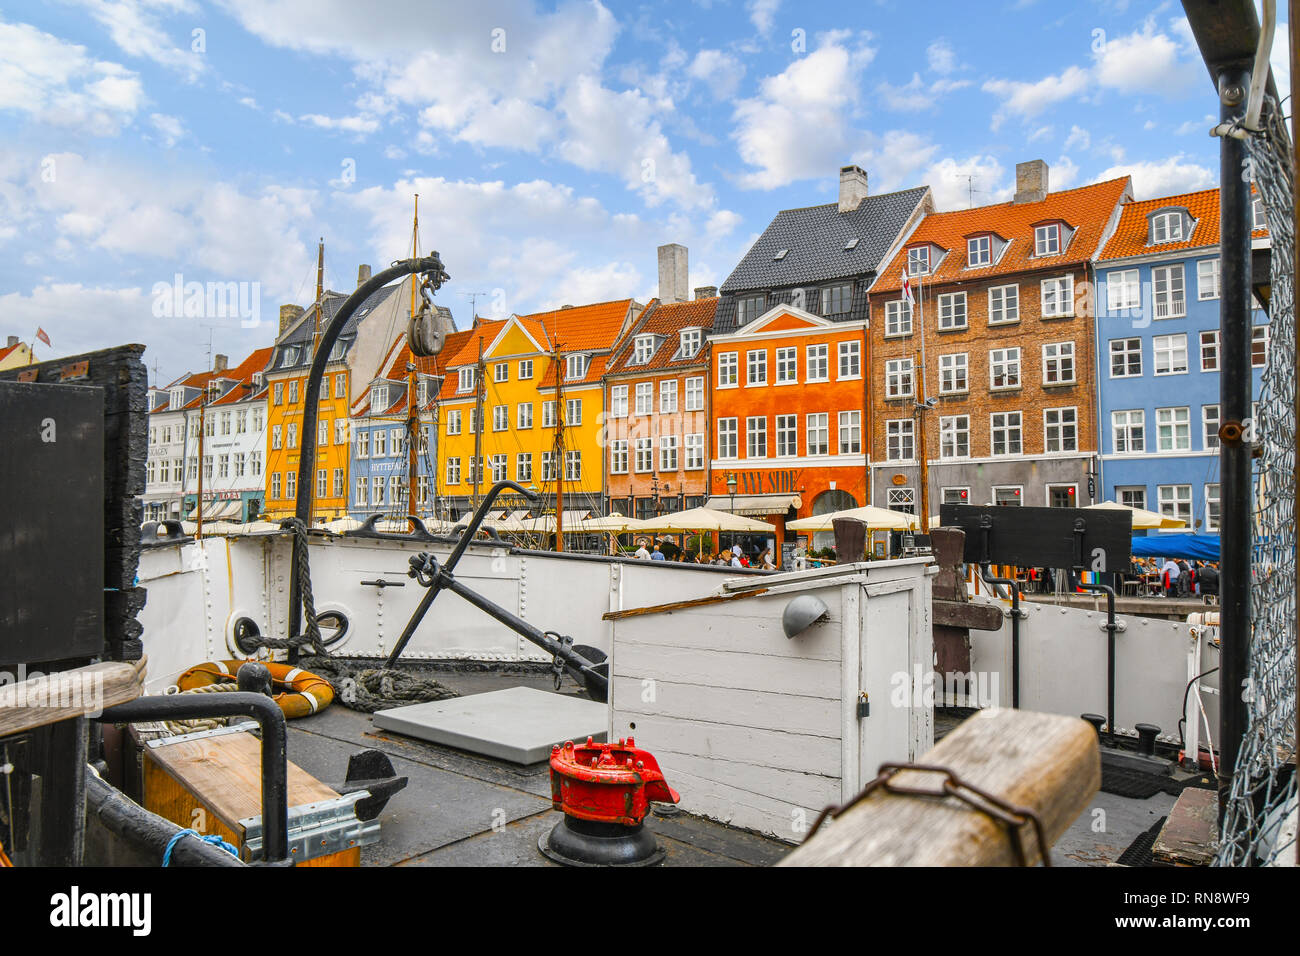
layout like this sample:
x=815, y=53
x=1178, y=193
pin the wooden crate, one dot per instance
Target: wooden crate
x=211, y=782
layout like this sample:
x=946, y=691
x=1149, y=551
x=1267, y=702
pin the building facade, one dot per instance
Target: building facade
x=1158, y=376
x=989, y=371
x=165, y=466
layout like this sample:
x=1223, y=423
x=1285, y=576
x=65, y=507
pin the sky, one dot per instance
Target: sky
x=151, y=148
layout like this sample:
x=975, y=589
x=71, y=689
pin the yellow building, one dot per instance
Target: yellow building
x=536, y=425
x=16, y=354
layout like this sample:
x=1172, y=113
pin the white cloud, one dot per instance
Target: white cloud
x=1029, y=99
x=1163, y=177
x=917, y=95
x=133, y=25
x=347, y=124
x=1146, y=61
x=1201, y=126
x=941, y=56
x=721, y=72
x=56, y=83
x=170, y=128
x=962, y=183
x=1079, y=138
x=762, y=13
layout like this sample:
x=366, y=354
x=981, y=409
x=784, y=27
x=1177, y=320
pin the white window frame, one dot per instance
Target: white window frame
x=1209, y=279
x=1006, y=359
x=787, y=366
x=1055, y=357
x=1169, y=346
x=954, y=432
x=952, y=314
x=1209, y=350
x=695, y=394
x=850, y=354
x=918, y=261
x=644, y=398
x=898, y=318
x=756, y=436
x=849, y=432
x=1008, y=428
x=1059, y=291
x=979, y=251
x=817, y=430
x=1175, y=504
x=952, y=366
x=1004, y=308
x=728, y=439
x=728, y=369
x=1125, y=423
x=1169, y=291
x=1123, y=290
x=755, y=368
x=1047, y=239
x=1125, y=354
x=899, y=378
x=1168, y=223
x=1061, y=427
x=817, y=359
x=787, y=436
x=668, y=395
x=1180, y=426
x=900, y=440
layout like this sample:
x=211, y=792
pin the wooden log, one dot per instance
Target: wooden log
x=1046, y=763
x=80, y=692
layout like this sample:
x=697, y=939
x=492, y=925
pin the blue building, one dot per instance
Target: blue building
x=1158, y=355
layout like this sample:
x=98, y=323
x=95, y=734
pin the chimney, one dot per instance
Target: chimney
x=853, y=187
x=220, y=362
x=13, y=340
x=706, y=292
x=363, y=273
x=1031, y=181
x=289, y=314
x=672, y=273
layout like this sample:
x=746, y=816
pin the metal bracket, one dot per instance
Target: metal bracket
x=318, y=829
x=1120, y=626
x=201, y=734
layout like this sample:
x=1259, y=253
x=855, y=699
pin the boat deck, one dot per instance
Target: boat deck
x=461, y=809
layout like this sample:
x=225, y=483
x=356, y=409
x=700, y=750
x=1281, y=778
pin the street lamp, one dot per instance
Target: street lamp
x=731, y=487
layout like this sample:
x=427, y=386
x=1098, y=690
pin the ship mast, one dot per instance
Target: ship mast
x=558, y=464
x=412, y=412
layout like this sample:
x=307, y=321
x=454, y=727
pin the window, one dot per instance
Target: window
x=422, y=492
x=787, y=435
x=954, y=496
x=1260, y=216
x=524, y=464
x=643, y=349
x=750, y=307
x=338, y=482
x=1058, y=363
x=1167, y=290
x=691, y=340
x=1170, y=354
x=695, y=394
x=954, y=436
x=1213, y=509
x=278, y=392
x=850, y=360
x=645, y=395
x=727, y=439
x=1259, y=346
x=837, y=298
x=1208, y=278
x=918, y=261
x=573, y=411
x=1123, y=290
x=293, y=392
x=498, y=464
x=617, y=402
x=573, y=466
x=787, y=370
x=323, y=432
x=952, y=373
x=1173, y=429
x=756, y=437
x=1061, y=429
x=756, y=367
x=500, y=417
x=818, y=363
x=1210, y=350
x=900, y=442
x=293, y=434
x=1058, y=296
x=1007, y=495
x=524, y=412
x=728, y=369
x=1125, y=358
x=668, y=453
x=360, y=494
x=276, y=437
x=453, y=471
x=850, y=432
x=341, y=431
x=898, y=378
x=979, y=251
x=1210, y=426
x=241, y=422
x=548, y=466
x=291, y=484
x=819, y=433
x=474, y=470
x=465, y=379
x=1006, y=433
x=575, y=367
x=1061, y=496
x=1128, y=431
x=618, y=457
x=548, y=414
x=952, y=311
x=898, y=318
x=645, y=454
x=525, y=369
x=1175, y=502
x=902, y=499
x=1166, y=227
x=258, y=420
x=275, y=485
x=1004, y=304
x=223, y=468
x=453, y=422
x=381, y=443
x=1134, y=496
x=1047, y=240
x=1004, y=368
x=695, y=451
x=340, y=385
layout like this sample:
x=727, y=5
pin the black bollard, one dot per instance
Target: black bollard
x=1147, y=739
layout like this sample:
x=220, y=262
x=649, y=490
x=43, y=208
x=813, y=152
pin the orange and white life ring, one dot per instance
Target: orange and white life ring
x=299, y=693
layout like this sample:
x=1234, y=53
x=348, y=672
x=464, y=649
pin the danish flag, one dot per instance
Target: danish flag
x=907, y=288
x=40, y=334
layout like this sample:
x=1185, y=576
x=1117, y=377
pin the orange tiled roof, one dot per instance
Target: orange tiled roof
x=7, y=349
x=1130, y=238
x=1086, y=209
x=583, y=327
x=667, y=320
x=424, y=365
x=243, y=373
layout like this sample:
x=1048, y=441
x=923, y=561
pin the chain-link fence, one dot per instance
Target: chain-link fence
x=1256, y=828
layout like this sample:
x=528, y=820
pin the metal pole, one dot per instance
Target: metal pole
x=1295, y=352
x=1235, y=410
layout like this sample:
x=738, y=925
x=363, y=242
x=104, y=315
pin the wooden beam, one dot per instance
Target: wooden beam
x=80, y=692
x=1046, y=763
x=680, y=605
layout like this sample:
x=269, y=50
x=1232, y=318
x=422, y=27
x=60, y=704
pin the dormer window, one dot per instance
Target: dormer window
x=1260, y=217
x=979, y=250
x=643, y=349
x=750, y=307
x=691, y=339
x=918, y=261
x=575, y=367
x=259, y=379
x=379, y=397
x=1167, y=227
x=1047, y=239
x=290, y=357
x=422, y=392
x=336, y=353
x=177, y=397
x=465, y=383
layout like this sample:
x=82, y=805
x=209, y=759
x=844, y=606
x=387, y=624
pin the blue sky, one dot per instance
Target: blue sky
x=554, y=145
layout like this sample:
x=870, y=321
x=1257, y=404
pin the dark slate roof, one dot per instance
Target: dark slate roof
x=302, y=333
x=815, y=237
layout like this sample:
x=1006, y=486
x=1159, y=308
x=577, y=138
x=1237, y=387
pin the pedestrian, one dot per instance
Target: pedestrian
x=657, y=555
x=641, y=553
x=735, y=557
x=1169, y=574
x=765, y=560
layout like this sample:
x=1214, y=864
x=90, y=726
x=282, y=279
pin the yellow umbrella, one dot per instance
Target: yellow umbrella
x=706, y=519
x=874, y=518
x=1142, y=519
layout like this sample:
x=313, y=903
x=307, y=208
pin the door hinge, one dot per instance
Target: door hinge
x=864, y=706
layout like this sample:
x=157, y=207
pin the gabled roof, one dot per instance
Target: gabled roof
x=243, y=374
x=816, y=236
x=583, y=328
x=1130, y=238
x=1087, y=210
x=395, y=370
x=303, y=330
x=4, y=352
x=667, y=320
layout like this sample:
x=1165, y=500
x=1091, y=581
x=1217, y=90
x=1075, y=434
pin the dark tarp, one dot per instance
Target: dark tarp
x=1204, y=547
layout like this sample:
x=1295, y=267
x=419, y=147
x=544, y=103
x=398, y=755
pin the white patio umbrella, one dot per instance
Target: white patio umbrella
x=874, y=518
x=1142, y=519
x=706, y=519
x=614, y=522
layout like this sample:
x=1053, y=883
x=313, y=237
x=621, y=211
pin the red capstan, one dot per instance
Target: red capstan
x=608, y=783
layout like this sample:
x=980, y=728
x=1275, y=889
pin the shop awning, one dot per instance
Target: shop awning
x=754, y=504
